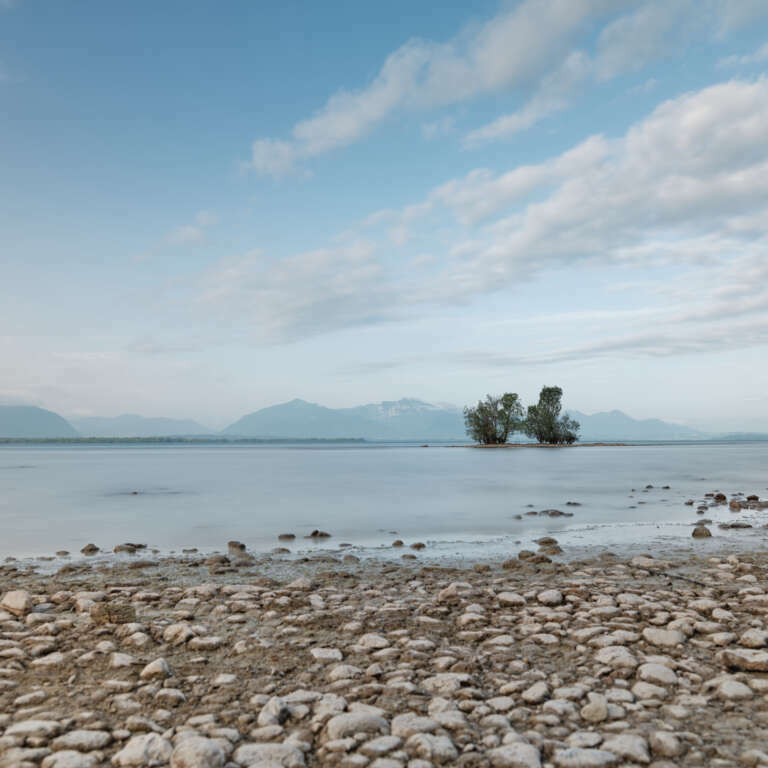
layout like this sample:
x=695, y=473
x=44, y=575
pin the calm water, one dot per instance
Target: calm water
x=458, y=500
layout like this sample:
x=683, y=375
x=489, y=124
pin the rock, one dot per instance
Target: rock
x=754, y=638
x=269, y=756
x=537, y=693
x=701, y=532
x=596, y=710
x=326, y=655
x=148, y=750
x=516, y=755
x=89, y=549
x=407, y=724
x=665, y=744
x=69, y=759
x=576, y=757
x=198, y=752
x=629, y=747
x=17, y=602
x=34, y=728
x=351, y=723
x=510, y=598
x=666, y=638
x=749, y=659
x=436, y=749
x=616, y=656
x=156, y=670
x=83, y=741
x=550, y=597
x=657, y=673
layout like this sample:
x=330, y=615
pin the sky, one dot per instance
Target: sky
x=207, y=208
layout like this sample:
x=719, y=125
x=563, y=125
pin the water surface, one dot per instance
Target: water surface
x=458, y=500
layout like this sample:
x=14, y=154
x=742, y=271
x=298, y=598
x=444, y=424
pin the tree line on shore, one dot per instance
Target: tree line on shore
x=493, y=420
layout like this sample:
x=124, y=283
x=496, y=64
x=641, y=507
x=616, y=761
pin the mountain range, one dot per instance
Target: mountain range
x=406, y=419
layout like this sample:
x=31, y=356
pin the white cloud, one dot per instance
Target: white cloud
x=528, y=48
x=193, y=234
x=745, y=60
x=300, y=296
x=512, y=50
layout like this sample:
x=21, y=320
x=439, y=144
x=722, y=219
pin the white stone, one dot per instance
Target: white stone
x=373, y=641
x=350, y=723
x=536, y=693
x=198, y=752
x=663, y=637
x=617, y=657
x=83, y=741
x=745, y=658
x=436, y=749
x=69, y=758
x=326, y=655
x=156, y=670
x=629, y=747
x=517, y=755
x=269, y=756
x=510, y=598
x=550, y=597
x=446, y=683
x=665, y=744
x=407, y=724
x=17, y=601
x=576, y=757
x=657, y=673
x=146, y=751
x=35, y=728
x=754, y=638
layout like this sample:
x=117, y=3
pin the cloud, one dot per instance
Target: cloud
x=193, y=234
x=756, y=57
x=682, y=197
x=301, y=296
x=554, y=94
x=513, y=49
x=530, y=48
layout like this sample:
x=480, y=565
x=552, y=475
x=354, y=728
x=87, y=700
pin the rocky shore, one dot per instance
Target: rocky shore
x=601, y=662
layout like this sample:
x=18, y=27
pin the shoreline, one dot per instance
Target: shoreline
x=592, y=662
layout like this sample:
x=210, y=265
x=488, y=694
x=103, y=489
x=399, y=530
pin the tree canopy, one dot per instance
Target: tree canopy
x=544, y=422
x=494, y=419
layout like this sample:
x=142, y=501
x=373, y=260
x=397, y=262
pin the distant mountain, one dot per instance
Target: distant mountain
x=27, y=421
x=405, y=419
x=615, y=426
x=131, y=425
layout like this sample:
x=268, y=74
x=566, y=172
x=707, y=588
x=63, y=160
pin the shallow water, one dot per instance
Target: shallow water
x=461, y=501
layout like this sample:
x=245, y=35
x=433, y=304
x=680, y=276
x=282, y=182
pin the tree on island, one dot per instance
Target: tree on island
x=544, y=422
x=494, y=419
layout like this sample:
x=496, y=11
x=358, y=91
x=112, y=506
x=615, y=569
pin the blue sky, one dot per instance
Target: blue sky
x=206, y=208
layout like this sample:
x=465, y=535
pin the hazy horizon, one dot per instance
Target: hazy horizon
x=206, y=210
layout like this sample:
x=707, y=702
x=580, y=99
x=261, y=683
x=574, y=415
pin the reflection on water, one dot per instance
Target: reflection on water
x=458, y=499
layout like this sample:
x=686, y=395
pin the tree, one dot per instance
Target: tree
x=544, y=422
x=494, y=419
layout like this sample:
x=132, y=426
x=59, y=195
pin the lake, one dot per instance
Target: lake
x=461, y=501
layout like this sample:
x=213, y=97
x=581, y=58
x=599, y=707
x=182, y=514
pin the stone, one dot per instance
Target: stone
x=17, y=602
x=436, y=749
x=34, y=728
x=754, y=638
x=629, y=747
x=516, y=755
x=576, y=757
x=407, y=724
x=550, y=597
x=147, y=751
x=616, y=656
x=665, y=744
x=269, y=756
x=326, y=655
x=596, y=710
x=156, y=670
x=537, y=693
x=748, y=659
x=666, y=638
x=350, y=723
x=510, y=598
x=70, y=759
x=656, y=673
x=83, y=741
x=198, y=752
x=701, y=532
